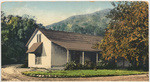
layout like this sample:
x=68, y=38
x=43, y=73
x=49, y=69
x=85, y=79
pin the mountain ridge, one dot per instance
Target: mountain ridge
x=84, y=24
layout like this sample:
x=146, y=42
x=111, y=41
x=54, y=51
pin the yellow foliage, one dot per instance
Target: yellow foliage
x=122, y=36
x=105, y=58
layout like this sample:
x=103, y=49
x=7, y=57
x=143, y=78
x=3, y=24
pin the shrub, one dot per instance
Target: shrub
x=79, y=66
x=87, y=65
x=104, y=64
x=138, y=68
x=71, y=65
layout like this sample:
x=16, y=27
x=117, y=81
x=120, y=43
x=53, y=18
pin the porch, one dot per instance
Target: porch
x=83, y=56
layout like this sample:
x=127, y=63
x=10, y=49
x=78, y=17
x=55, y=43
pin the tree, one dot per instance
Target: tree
x=15, y=32
x=127, y=34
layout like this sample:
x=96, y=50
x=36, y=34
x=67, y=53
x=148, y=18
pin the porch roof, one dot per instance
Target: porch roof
x=34, y=47
x=79, y=46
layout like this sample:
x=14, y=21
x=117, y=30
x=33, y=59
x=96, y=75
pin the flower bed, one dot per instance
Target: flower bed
x=80, y=73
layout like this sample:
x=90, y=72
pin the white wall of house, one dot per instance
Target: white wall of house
x=46, y=52
x=59, y=55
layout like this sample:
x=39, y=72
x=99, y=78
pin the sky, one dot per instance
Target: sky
x=47, y=12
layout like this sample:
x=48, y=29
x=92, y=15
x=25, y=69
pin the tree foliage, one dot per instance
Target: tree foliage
x=15, y=31
x=127, y=34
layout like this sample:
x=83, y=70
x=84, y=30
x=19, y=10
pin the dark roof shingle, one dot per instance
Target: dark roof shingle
x=72, y=41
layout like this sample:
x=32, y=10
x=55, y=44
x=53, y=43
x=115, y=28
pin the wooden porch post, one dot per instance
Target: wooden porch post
x=68, y=56
x=82, y=58
x=96, y=58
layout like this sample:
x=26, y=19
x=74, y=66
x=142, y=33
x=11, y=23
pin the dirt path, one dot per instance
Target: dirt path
x=13, y=73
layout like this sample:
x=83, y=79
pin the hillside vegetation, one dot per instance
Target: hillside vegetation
x=93, y=24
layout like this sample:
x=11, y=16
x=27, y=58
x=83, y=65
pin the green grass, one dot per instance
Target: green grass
x=82, y=73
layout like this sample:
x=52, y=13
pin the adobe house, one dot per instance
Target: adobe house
x=53, y=49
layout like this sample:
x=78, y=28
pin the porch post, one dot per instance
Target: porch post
x=68, y=56
x=82, y=58
x=96, y=58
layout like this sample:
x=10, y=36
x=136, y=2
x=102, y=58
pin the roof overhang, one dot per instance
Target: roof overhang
x=35, y=48
x=32, y=37
x=70, y=44
x=74, y=46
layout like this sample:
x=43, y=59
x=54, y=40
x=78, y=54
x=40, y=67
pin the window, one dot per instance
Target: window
x=38, y=37
x=38, y=59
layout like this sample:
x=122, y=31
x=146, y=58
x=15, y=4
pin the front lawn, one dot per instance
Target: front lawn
x=81, y=73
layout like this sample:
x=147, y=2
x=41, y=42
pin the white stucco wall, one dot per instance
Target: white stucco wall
x=59, y=55
x=46, y=52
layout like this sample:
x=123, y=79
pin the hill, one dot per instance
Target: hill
x=93, y=24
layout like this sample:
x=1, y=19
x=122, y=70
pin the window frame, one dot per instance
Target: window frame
x=38, y=59
x=38, y=37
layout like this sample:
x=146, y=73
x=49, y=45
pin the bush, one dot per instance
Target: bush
x=89, y=65
x=72, y=65
x=104, y=64
x=79, y=66
x=138, y=68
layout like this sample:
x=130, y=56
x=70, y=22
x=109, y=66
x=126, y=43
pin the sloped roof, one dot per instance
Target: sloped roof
x=34, y=47
x=72, y=41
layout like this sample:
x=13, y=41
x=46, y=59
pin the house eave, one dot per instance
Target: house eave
x=31, y=37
